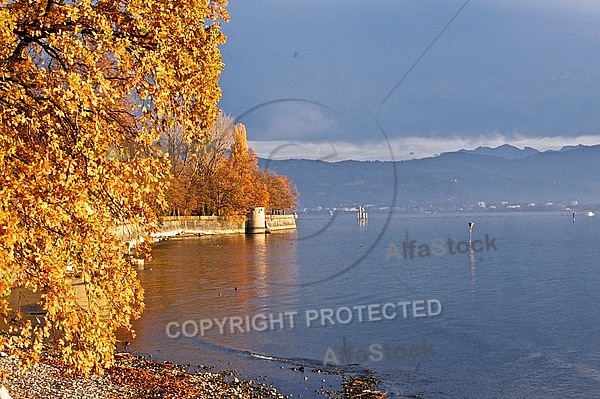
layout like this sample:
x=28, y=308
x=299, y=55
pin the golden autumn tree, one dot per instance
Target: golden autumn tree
x=283, y=194
x=224, y=180
x=196, y=176
x=77, y=76
x=244, y=165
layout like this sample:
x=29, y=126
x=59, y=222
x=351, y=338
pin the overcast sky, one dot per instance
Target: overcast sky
x=315, y=78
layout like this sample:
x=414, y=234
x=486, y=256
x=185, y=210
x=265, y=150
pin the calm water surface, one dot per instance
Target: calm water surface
x=521, y=320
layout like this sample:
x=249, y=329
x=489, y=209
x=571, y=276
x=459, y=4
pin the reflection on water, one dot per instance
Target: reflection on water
x=213, y=277
x=472, y=263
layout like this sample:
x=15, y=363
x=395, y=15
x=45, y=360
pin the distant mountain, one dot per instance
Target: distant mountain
x=453, y=179
x=572, y=147
x=505, y=151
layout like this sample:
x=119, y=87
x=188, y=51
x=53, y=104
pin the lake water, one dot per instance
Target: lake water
x=519, y=318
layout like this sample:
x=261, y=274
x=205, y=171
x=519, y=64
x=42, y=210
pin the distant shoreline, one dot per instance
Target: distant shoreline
x=581, y=211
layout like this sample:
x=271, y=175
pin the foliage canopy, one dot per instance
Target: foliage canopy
x=75, y=77
x=225, y=180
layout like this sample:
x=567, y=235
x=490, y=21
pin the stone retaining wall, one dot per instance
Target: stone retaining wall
x=281, y=222
x=172, y=225
x=203, y=225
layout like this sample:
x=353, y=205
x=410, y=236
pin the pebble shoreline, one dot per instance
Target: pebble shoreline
x=130, y=378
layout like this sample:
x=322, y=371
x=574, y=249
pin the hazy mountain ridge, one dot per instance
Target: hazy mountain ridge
x=505, y=151
x=460, y=178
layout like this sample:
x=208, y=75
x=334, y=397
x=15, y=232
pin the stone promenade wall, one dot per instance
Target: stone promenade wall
x=189, y=225
x=281, y=222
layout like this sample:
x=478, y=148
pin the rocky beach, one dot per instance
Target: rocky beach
x=131, y=377
x=136, y=377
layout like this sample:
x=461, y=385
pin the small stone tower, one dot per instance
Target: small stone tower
x=256, y=223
